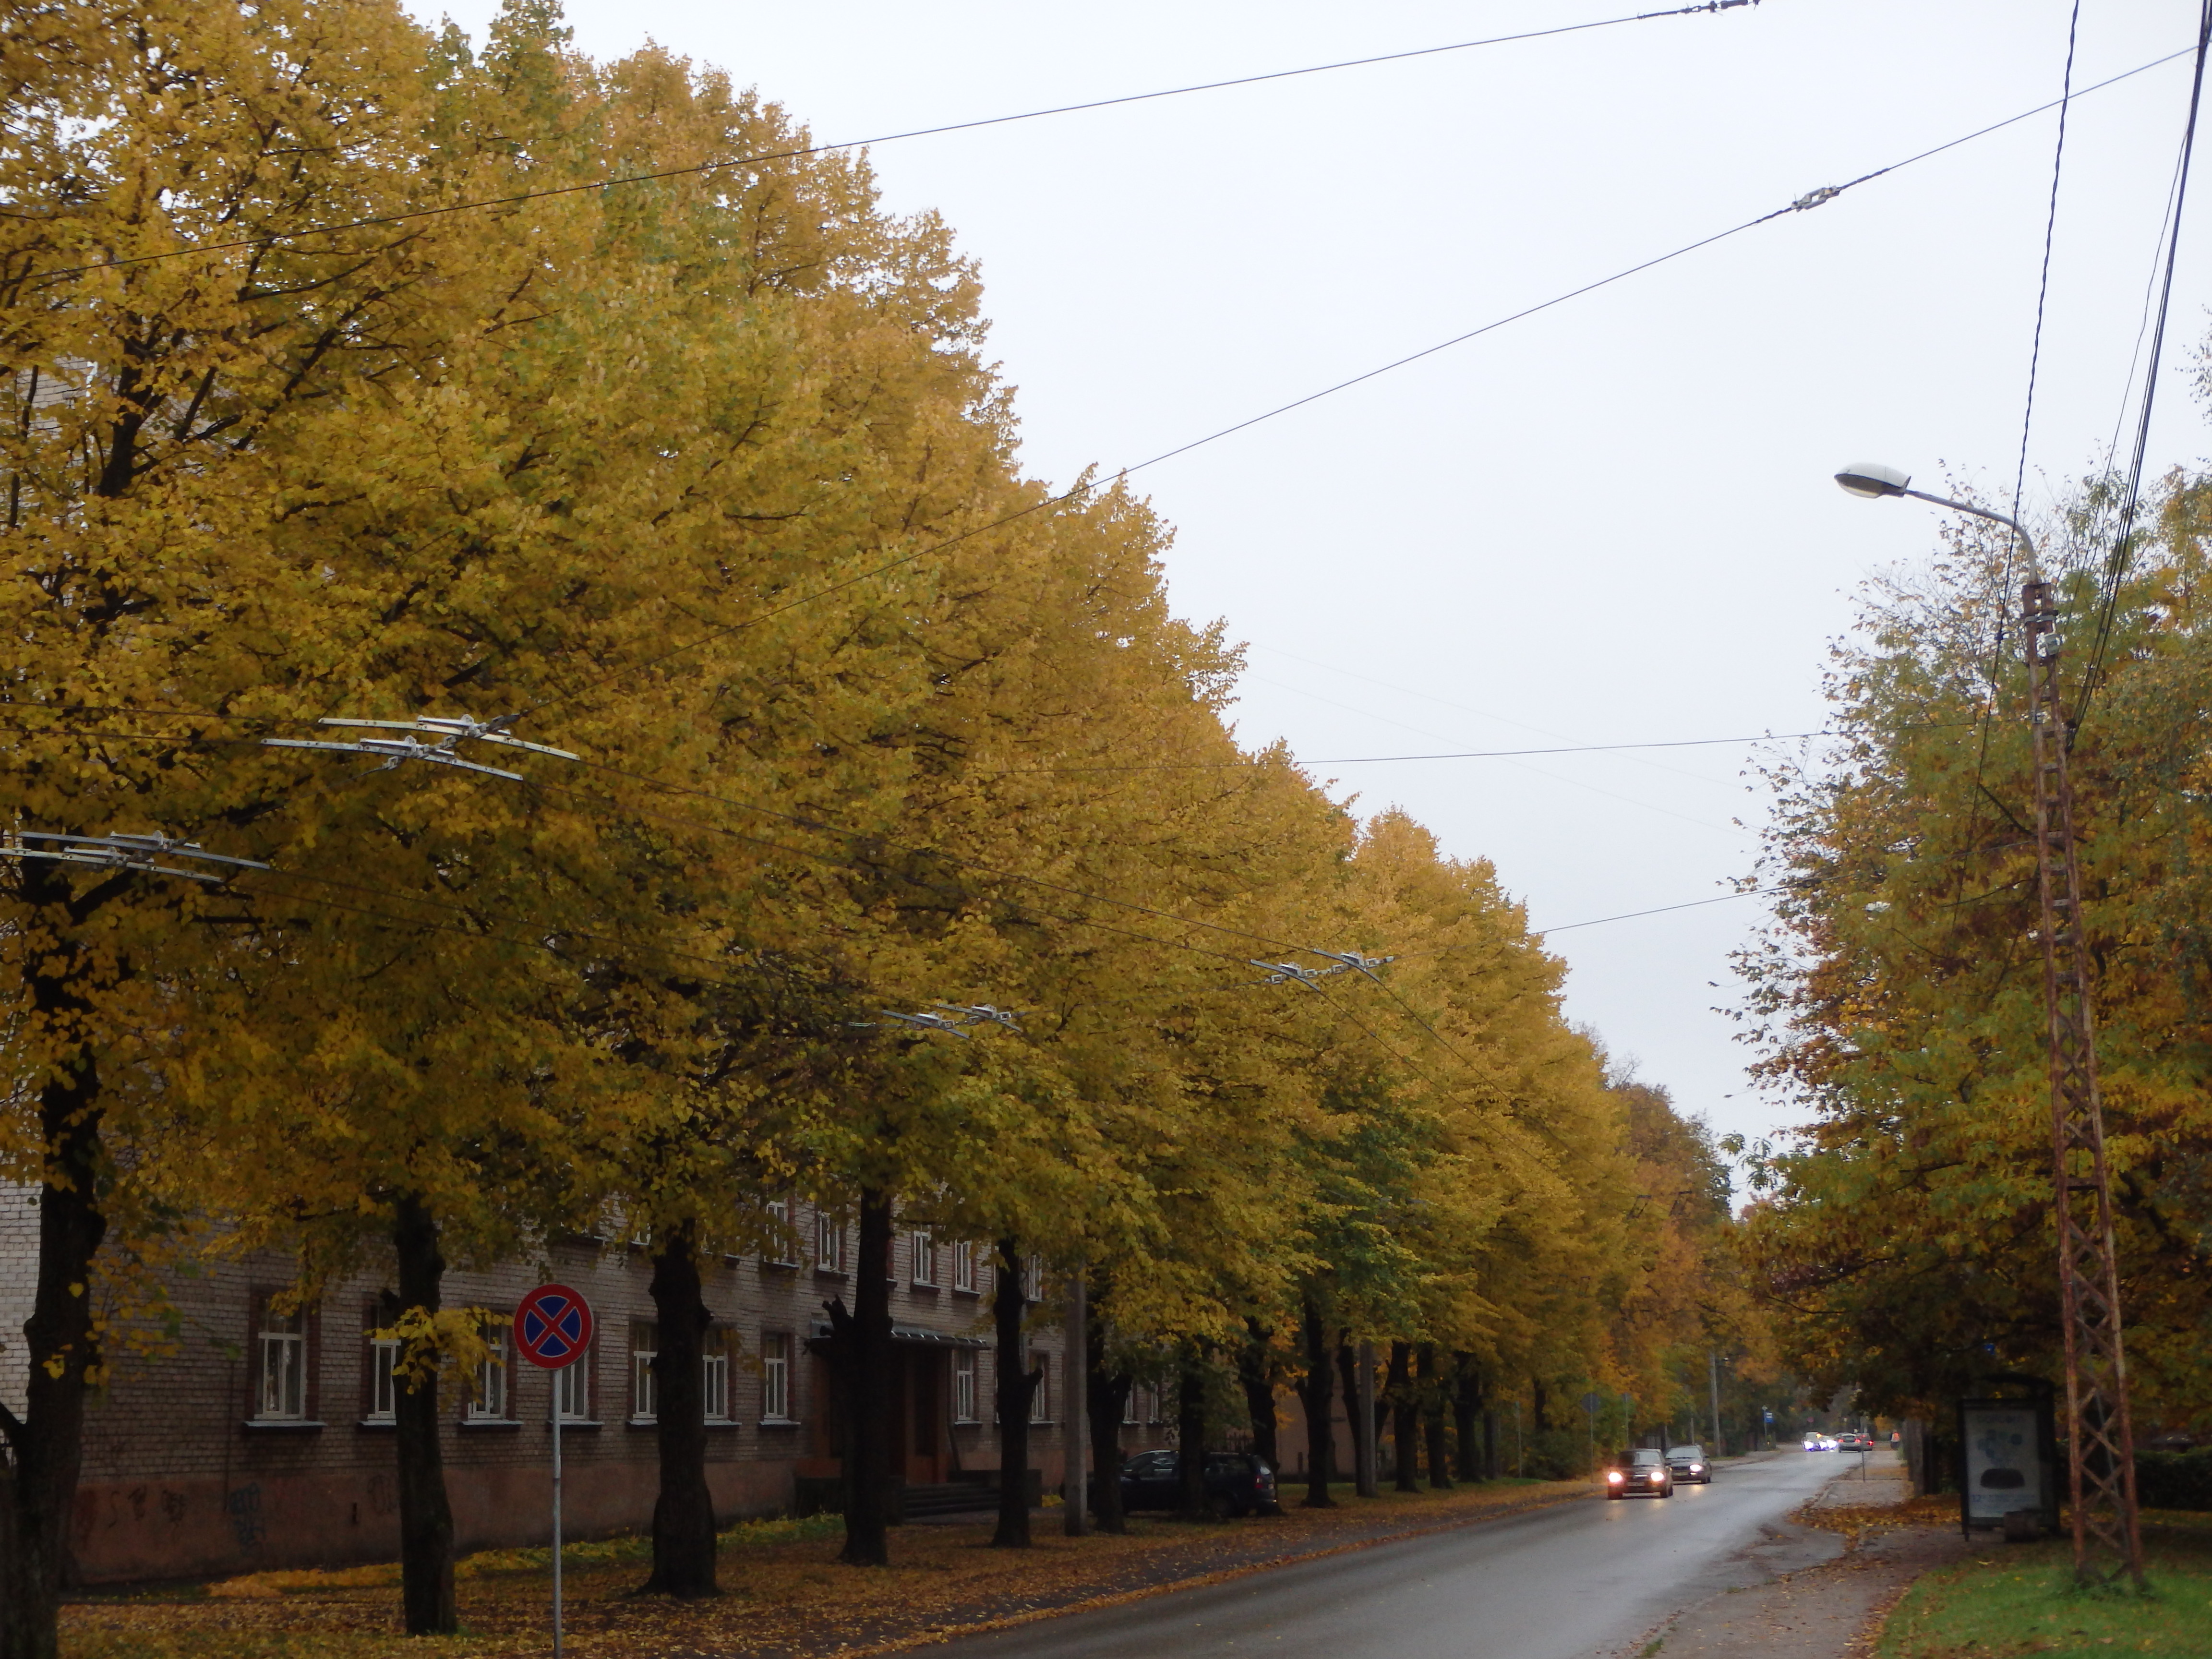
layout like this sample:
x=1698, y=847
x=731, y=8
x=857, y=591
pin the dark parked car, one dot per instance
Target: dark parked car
x=1689, y=1463
x=1236, y=1482
x=1640, y=1468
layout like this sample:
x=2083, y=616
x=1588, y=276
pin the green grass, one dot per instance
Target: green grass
x=2021, y=1599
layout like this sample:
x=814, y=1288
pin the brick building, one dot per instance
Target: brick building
x=251, y=1438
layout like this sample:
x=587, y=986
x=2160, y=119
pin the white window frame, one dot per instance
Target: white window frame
x=572, y=1390
x=779, y=1216
x=281, y=1366
x=924, y=1245
x=1041, y=1400
x=714, y=1379
x=1033, y=1279
x=1131, y=1417
x=963, y=1385
x=382, y=1403
x=775, y=1377
x=963, y=1266
x=488, y=1400
x=829, y=1241
x=644, y=1386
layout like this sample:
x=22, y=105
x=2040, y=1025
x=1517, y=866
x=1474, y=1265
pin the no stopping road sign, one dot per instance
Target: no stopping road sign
x=553, y=1327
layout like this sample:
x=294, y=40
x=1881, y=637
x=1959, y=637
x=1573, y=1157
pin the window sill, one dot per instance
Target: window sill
x=837, y=1274
x=713, y=1424
x=779, y=1423
x=957, y=1291
x=640, y=1422
x=922, y=1285
x=570, y=1424
x=282, y=1425
x=478, y=1424
x=378, y=1425
x=967, y=1422
x=768, y=1266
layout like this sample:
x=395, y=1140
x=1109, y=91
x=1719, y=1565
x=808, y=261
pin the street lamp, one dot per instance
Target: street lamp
x=2101, y=1440
x=1871, y=481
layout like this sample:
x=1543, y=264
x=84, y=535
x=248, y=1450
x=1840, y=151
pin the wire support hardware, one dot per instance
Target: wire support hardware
x=450, y=732
x=955, y=1019
x=1342, y=962
x=125, y=853
x=2100, y=1449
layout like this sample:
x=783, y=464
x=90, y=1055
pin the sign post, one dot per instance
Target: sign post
x=553, y=1331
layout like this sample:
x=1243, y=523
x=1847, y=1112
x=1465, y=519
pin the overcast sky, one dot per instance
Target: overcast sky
x=1612, y=522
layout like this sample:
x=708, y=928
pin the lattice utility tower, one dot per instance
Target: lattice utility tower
x=2100, y=1443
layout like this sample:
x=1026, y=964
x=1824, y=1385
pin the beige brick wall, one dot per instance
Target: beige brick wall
x=19, y=1258
x=180, y=1478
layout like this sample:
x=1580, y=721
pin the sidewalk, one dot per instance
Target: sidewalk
x=1832, y=1610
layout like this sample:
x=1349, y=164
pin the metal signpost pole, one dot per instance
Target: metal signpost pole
x=553, y=1331
x=1365, y=1473
x=556, y=1517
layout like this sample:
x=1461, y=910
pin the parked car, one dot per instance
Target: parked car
x=1640, y=1468
x=1688, y=1463
x=1236, y=1482
x=1853, y=1440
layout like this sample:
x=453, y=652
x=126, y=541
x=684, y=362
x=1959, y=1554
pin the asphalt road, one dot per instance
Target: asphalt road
x=1571, y=1582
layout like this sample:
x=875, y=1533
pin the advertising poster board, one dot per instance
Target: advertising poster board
x=2008, y=1465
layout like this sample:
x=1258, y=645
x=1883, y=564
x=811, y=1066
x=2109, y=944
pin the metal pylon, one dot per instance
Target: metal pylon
x=2100, y=1443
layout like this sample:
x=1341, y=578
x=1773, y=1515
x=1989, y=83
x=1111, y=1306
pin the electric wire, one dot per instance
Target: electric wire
x=1810, y=200
x=1379, y=760
x=2124, y=534
x=728, y=163
x=2028, y=410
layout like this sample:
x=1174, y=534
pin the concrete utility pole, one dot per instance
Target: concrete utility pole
x=1713, y=1383
x=1075, y=1457
x=2100, y=1443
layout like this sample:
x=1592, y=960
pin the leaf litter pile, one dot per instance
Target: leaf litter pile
x=783, y=1591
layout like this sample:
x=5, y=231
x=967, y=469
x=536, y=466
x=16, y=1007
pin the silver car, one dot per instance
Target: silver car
x=1690, y=1463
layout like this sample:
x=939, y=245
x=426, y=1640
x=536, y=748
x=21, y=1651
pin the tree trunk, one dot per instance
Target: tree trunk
x=1431, y=1390
x=46, y=1445
x=1466, y=1411
x=1490, y=1443
x=1108, y=1394
x=1017, y=1387
x=426, y=1519
x=1190, y=1440
x=1253, y=1372
x=1314, y=1394
x=1405, y=1418
x=1537, y=1416
x=862, y=1343
x=683, y=1513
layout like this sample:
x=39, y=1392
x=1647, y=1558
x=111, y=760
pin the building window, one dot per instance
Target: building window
x=963, y=1385
x=1130, y=1413
x=281, y=1354
x=778, y=1254
x=775, y=1377
x=714, y=1378
x=1033, y=1279
x=489, y=1401
x=925, y=1259
x=828, y=1242
x=1041, y=1400
x=381, y=1400
x=645, y=1390
x=964, y=1267
x=572, y=1391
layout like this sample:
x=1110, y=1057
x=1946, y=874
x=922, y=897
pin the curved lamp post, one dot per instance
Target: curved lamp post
x=1872, y=481
x=2099, y=1441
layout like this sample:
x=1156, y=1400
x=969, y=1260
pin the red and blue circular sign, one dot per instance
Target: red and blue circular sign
x=553, y=1327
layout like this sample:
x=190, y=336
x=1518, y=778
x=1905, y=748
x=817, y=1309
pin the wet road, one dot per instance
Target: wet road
x=1579, y=1580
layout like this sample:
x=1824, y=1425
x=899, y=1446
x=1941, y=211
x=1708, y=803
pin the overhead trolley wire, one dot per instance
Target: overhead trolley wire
x=728, y=163
x=2124, y=534
x=1805, y=203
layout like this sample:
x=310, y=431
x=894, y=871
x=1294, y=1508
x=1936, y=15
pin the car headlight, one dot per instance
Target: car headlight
x=1613, y=1475
x=1697, y=1469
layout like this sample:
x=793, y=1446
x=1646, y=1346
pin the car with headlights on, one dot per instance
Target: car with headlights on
x=1640, y=1470
x=1690, y=1463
